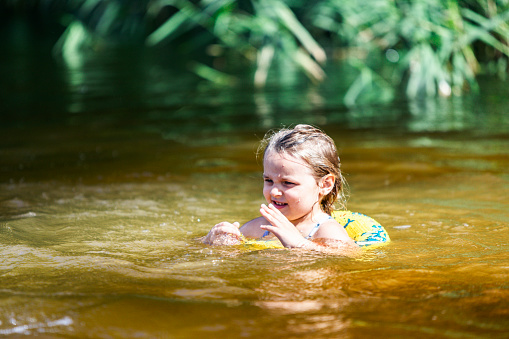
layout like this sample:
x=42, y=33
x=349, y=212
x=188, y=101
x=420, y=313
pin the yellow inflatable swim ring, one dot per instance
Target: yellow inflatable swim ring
x=365, y=231
x=362, y=229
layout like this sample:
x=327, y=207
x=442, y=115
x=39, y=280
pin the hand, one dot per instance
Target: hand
x=224, y=233
x=281, y=227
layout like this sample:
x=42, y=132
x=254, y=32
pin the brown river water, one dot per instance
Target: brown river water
x=109, y=175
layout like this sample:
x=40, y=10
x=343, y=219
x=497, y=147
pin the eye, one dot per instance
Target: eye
x=289, y=183
x=267, y=180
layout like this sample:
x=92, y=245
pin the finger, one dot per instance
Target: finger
x=272, y=214
x=266, y=213
x=226, y=227
x=268, y=227
x=227, y=224
x=275, y=212
x=270, y=210
x=233, y=229
x=272, y=229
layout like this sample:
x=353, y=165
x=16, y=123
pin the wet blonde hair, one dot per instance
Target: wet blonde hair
x=315, y=148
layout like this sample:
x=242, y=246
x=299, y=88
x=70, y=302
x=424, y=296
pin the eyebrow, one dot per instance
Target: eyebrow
x=283, y=178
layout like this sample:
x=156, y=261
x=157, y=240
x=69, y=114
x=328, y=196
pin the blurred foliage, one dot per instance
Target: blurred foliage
x=435, y=45
x=429, y=47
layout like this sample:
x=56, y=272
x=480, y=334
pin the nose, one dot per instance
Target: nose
x=275, y=192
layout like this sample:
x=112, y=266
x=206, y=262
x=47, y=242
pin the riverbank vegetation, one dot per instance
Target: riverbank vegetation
x=425, y=47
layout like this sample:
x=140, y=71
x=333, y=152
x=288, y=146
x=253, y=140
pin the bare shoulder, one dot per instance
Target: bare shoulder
x=251, y=229
x=331, y=229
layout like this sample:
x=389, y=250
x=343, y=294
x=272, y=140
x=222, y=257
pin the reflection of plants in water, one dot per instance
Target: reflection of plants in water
x=430, y=46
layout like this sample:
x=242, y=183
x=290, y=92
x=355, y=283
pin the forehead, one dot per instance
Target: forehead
x=284, y=164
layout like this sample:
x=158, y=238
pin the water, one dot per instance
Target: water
x=112, y=168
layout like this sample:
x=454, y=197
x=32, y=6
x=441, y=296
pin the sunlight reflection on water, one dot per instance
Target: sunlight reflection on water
x=108, y=181
x=111, y=244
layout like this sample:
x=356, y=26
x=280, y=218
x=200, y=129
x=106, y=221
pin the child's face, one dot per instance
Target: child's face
x=290, y=186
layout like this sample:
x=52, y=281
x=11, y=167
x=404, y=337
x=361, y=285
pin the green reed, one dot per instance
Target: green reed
x=434, y=46
x=429, y=47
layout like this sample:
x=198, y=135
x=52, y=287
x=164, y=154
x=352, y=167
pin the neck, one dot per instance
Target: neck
x=312, y=217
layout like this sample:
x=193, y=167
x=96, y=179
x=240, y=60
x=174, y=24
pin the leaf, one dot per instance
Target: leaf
x=292, y=24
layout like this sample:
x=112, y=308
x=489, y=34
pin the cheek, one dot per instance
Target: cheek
x=266, y=190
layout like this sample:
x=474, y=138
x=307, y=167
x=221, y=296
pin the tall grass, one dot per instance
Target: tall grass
x=430, y=47
x=435, y=45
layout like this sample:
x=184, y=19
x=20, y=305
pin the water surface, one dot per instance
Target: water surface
x=112, y=168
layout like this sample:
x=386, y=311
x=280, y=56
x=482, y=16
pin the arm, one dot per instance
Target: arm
x=251, y=229
x=330, y=233
x=334, y=233
x=282, y=228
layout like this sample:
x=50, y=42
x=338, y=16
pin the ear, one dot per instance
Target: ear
x=326, y=184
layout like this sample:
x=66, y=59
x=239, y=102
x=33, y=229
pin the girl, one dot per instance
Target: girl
x=302, y=181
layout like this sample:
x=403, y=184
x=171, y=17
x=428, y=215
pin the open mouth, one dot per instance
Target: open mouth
x=279, y=204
